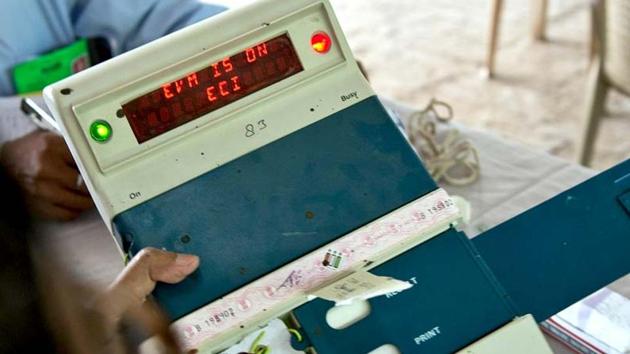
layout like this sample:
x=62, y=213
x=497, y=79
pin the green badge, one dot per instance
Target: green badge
x=34, y=75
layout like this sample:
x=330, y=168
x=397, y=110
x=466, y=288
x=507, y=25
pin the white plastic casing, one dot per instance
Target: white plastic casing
x=121, y=173
x=521, y=336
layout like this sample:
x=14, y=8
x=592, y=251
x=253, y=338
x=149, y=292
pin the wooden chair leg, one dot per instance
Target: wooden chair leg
x=596, y=35
x=593, y=41
x=493, y=34
x=539, y=19
x=597, y=89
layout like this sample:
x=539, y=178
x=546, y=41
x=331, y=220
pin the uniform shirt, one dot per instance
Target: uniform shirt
x=29, y=28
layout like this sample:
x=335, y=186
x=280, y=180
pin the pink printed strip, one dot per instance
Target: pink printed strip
x=307, y=274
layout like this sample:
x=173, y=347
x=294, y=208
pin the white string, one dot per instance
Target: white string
x=454, y=159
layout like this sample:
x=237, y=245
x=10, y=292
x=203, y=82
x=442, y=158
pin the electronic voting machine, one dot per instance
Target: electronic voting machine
x=252, y=140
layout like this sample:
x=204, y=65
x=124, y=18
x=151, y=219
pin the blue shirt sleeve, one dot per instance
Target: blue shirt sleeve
x=131, y=23
x=29, y=28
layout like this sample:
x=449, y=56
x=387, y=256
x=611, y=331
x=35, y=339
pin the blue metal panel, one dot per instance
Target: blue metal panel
x=454, y=292
x=625, y=201
x=555, y=254
x=539, y=262
x=269, y=207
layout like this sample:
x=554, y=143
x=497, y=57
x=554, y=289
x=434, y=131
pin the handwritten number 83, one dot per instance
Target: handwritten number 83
x=251, y=129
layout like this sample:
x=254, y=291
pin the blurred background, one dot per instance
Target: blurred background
x=414, y=50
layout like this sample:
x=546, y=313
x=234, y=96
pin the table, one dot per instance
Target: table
x=513, y=179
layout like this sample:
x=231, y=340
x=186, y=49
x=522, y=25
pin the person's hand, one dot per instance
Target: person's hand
x=130, y=289
x=124, y=301
x=44, y=168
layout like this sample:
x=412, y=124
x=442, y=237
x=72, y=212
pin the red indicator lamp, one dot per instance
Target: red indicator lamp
x=321, y=42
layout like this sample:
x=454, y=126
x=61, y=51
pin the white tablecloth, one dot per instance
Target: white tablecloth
x=513, y=179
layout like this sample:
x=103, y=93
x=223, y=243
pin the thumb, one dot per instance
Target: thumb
x=138, y=279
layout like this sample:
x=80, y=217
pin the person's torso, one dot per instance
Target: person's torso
x=29, y=28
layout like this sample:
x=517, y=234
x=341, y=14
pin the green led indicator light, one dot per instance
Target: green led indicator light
x=100, y=131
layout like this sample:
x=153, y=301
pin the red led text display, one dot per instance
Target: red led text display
x=221, y=83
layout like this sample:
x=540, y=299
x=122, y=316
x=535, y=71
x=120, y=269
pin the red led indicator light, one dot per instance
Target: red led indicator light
x=321, y=42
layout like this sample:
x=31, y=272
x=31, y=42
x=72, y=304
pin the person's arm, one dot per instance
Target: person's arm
x=128, y=24
x=41, y=164
x=126, y=298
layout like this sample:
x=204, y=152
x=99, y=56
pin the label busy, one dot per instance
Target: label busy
x=221, y=83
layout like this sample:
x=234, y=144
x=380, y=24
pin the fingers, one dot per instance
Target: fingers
x=138, y=279
x=65, y=176
x=64, y=198
x=42, y=165
x=165, y=269
x=60, y=147
x=50, y=211
x=51, y=199
x=62, y=167
x=76, y=183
